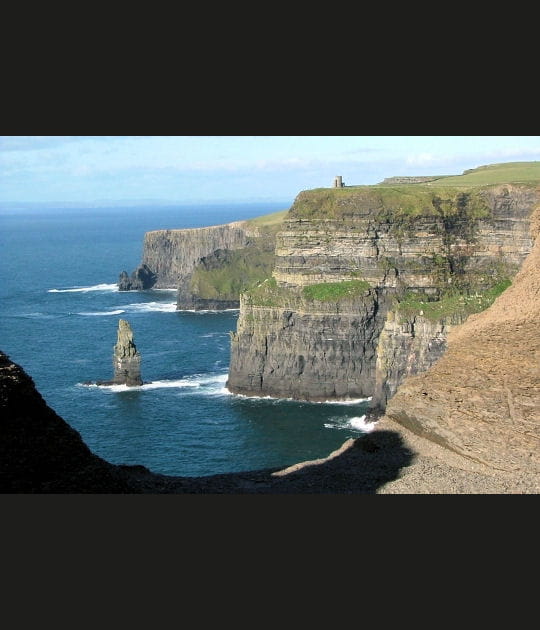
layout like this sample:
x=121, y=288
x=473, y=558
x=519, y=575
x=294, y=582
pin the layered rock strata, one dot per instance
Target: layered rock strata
x=306, y=351
x=417, y=237
x=481, y=400
x=407, y=347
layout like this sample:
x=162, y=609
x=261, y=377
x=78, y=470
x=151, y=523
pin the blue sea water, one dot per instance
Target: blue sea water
x=59, y=315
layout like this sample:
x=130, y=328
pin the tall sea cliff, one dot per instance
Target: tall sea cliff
x=369, y=280
x=355, y=288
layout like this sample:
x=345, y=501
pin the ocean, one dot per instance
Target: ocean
x=59, y=315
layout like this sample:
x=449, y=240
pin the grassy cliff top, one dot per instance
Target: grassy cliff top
x=491, y=174
x=445, y=195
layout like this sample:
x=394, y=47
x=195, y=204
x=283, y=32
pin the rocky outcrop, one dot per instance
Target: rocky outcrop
x=39, y=451
x=141, y=279
x=126, y=359
x=208, y=266
x=420, y=237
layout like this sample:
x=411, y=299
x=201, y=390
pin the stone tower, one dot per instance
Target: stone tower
x=338, y=183
x=126, y=358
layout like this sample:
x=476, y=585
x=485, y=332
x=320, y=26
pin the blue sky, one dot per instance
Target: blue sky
x=201, y=169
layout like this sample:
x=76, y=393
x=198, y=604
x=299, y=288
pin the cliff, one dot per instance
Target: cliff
x=481, y=400
x=305, y=349
x=39, y=451
x=409, y=249
x=208, y=266
x=408, y=346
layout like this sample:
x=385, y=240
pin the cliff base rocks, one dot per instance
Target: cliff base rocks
x=141, y=279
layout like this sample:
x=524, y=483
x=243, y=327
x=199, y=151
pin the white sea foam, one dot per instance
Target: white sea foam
x=96, y=287
x=208, y=311
x=151, y=307
x=211, y=384
x=103, y=313
x=360, y=423
x=349, y=401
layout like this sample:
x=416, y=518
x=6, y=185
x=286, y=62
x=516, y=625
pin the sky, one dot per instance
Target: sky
x=100, y=170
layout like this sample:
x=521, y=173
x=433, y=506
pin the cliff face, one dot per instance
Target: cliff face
x=412, y=236
x=482, y=398
x=208, y=266
x=173, y=254
x=406, y=347
x=424, y=238
x=304, y=350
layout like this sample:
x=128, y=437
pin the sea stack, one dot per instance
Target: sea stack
x=126, y=358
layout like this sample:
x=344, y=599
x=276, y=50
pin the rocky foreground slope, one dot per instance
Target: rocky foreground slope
x=41, y=453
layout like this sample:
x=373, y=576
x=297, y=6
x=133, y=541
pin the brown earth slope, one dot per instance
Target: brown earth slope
x=481, y=400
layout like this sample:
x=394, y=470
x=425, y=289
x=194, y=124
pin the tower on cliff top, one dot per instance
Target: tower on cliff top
x=338, y=183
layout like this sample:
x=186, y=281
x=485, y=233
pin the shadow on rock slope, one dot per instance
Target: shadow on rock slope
x=41, y=453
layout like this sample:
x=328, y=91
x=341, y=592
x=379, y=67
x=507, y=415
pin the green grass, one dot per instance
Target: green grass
x=241, y=269
x=412, y=200
x=268, y=293
x=412, y=303
x=335, y=291
x=396, y=202
x=269, y=220
x=490, y=174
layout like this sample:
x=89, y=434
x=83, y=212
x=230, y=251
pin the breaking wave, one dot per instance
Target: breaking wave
x=358, y=422
x=96, y=287
x=141, y=307
x=151, y=307
x=210, y=384
x=348, y=401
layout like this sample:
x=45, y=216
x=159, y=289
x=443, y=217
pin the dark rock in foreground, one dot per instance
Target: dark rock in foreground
x=41, y=453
